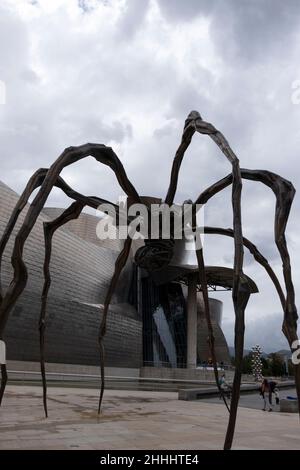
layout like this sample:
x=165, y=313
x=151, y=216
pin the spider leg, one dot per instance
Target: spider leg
x=239, y=297
x=203, y=282
x=72, y=212
x=195, y=123
x=119, y=265
x=71, y=155
x=256, y=254
x=284, y=192
x=186, y=139
x=258, y=257
x=49, y=178
x=242, y=300
x=34, y=182
x=3, y=381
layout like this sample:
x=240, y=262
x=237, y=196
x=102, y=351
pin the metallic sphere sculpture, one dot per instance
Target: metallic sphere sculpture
x=156, y=253
x=256, y=363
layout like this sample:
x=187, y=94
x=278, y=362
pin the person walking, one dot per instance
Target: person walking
x=274, y=389
x=266, y=393
x=225, y=387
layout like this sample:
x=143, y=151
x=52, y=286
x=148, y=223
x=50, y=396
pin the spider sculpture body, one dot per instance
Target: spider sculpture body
x=156, y=254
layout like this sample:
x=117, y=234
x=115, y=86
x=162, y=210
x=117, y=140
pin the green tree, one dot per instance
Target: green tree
x=291, y=368
x=276, y=365
x=266, y=371
x=246, y=364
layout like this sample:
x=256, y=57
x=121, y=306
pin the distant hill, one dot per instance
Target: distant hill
x=246, y=352
x=284, y=352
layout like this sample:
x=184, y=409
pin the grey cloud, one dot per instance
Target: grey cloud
x=88, y=6
x=85, y=5
x=188, y=96
x=167, y=129
x=14, y=50
x=256, y=29
x=185, y=10
x=242, y=29
x=132, y=20
x=265, y=331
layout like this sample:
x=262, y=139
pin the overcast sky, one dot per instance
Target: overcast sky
x=126, y=73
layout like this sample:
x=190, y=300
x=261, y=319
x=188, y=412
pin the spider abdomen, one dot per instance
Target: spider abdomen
x=155, y=254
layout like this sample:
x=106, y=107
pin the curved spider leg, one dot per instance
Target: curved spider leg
x=256, y=254
x=284, y=192
x=263, y=261
x=243, y=297
x=119, y=265
x=72, y=212
x=186, y=139
x=195, y=122
x=34, y=182
x=258, y=257
x=239, y=297
x=70, y=155
x=3, y=381
x=203, y=282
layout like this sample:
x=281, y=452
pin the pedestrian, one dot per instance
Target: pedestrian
x=266, y=393
x=224, y=386
x=274, y=389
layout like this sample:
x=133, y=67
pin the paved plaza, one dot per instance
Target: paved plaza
x=254, y=401
x=134, y=420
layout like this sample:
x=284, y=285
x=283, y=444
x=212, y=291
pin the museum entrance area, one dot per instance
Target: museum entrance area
x=164, y=324
x=175, y=333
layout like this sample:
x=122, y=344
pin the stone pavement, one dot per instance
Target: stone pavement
x=133, y=420
x=254, y=401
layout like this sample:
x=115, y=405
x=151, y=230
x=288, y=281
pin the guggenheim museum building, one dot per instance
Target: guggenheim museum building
x=153, y=320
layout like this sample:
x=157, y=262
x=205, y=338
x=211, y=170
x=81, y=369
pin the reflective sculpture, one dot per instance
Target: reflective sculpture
x=156, y=253
x=256, y=363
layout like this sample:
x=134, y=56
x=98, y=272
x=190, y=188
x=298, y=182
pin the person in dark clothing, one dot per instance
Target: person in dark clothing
x=266, y=393
x=274, y=389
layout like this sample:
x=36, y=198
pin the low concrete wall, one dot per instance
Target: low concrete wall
x=74, y=369
x=289, y=406
x=198, y=393
x=203, y=392
x=183, y=374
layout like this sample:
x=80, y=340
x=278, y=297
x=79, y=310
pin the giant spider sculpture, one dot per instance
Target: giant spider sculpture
x=156, y=253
